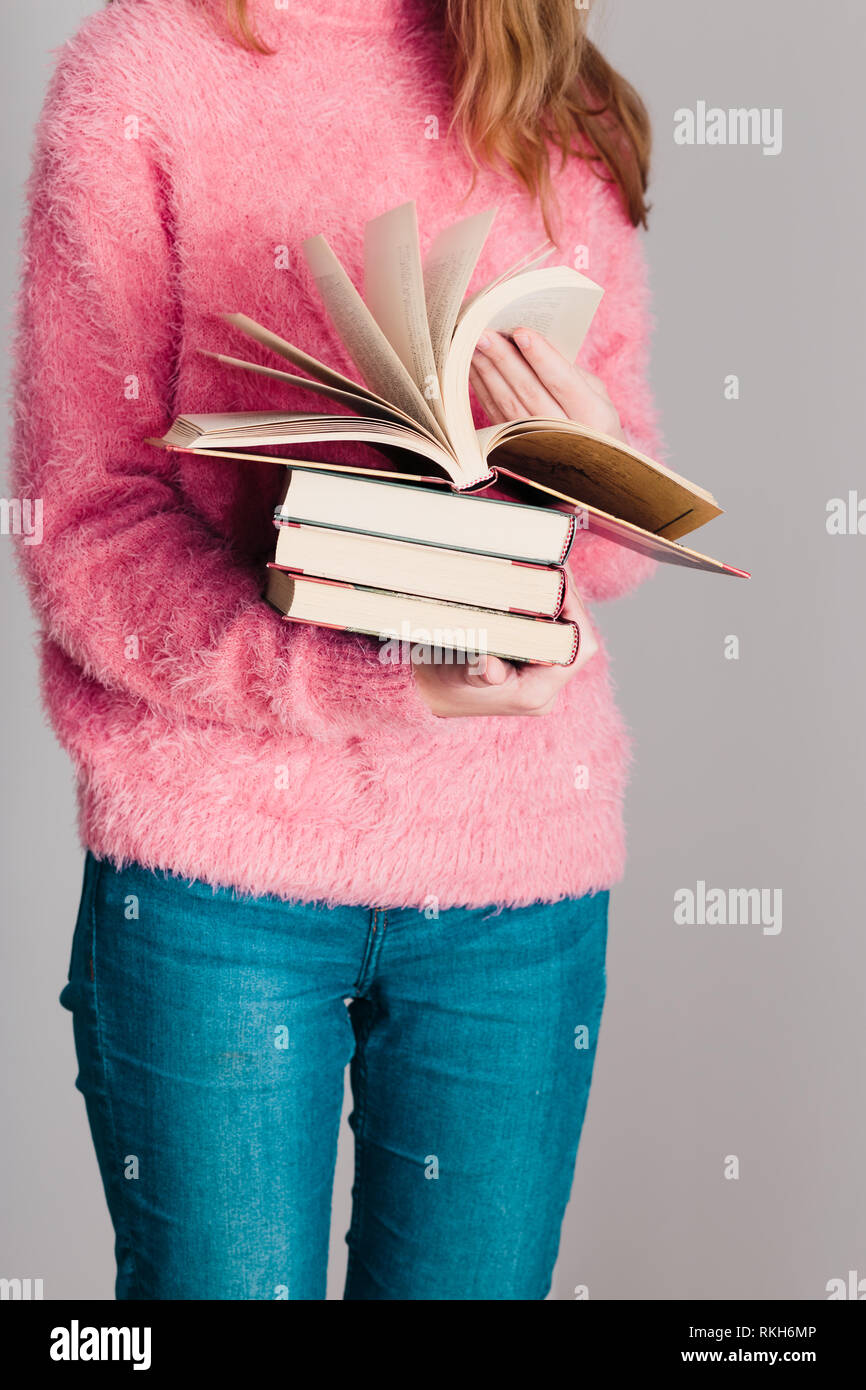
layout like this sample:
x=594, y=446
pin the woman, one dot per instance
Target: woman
x=296, y=855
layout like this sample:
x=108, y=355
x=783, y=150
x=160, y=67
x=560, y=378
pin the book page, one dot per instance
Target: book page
x=557, y=300
x=267, y=338
x=531, y=261
x=255, y=429
x=603, y=472
x=394, y=294
x=362, y=404
x=364, y=340
x=562, y=313
x=623, y=532
x=516, y=428
x=448, y=267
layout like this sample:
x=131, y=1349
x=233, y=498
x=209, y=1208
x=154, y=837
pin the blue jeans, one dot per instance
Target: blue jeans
x=212, y=1033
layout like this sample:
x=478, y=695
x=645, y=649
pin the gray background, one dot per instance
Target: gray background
x=717, y=1040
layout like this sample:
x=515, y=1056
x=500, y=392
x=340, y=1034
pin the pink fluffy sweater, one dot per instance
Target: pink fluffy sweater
x=175, y=177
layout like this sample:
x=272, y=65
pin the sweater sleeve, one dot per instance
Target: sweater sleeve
x=618, y=353
x=130, y=582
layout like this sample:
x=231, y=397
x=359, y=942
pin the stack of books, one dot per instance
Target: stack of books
x=396, y=551
x=423, y=566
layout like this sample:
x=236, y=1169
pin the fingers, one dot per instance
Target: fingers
x=489, y=671
x=487, y=402
x=538, y=686
x=594, y=381
x=562, y=379
x=580, y=395
x=509, y=383
x=501, y=689
x=530, y=377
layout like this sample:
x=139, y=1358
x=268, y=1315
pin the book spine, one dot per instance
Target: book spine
x=477, y=485
x=569, y=540
x=560, y=598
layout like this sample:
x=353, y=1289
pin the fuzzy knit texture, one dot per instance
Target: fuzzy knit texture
x=175, y=177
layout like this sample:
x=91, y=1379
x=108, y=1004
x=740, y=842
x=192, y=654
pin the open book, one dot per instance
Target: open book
x=412, y=337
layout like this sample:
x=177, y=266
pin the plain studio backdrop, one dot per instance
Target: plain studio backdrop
x=718, y=1042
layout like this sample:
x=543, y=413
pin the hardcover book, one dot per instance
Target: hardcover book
x=432, y=623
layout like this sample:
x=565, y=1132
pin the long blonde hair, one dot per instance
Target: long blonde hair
x=528, y=83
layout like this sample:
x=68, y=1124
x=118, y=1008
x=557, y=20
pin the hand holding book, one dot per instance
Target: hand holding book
x=414, y=344
x=526, y=375
x=489, y=686
x=428, y=561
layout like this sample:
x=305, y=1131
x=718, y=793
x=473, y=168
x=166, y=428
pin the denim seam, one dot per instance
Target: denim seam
x=356, y=1226
x=126, y=1229
x=372, y=949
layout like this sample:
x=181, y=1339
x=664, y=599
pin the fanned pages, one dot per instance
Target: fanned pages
x=448, y=268
x=413, y=342
x=375, y=358
x=394, y=293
